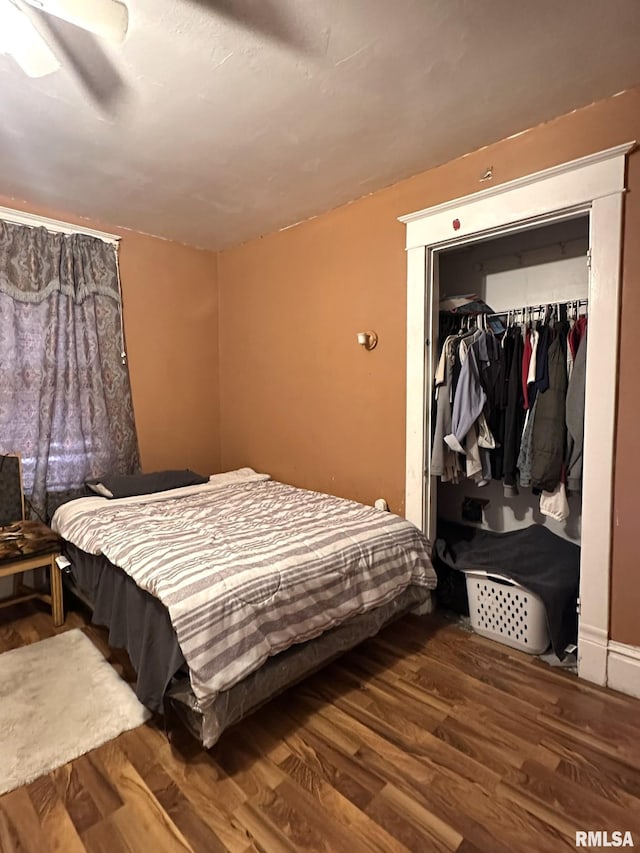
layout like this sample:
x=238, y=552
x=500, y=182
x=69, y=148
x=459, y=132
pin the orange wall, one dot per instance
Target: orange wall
x=300, y=399
x=170, y=298
x=170, y=301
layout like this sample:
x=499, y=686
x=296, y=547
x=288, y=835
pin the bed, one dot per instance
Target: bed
x=228, y=592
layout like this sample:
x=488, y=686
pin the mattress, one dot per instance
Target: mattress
x=139, y=623
x=286, y=669
x=228, y=576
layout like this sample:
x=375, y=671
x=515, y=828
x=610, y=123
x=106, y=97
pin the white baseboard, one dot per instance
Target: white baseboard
x=623, y=668
x=592, y=654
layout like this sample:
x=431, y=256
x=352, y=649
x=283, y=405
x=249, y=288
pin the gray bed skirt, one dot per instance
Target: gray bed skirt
x=140, y=623
x=284, y=670
x=136, y=620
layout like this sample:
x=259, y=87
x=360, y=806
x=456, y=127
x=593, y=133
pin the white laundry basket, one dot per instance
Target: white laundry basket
x=503, y=610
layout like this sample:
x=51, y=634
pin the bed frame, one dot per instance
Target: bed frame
x=140, y=623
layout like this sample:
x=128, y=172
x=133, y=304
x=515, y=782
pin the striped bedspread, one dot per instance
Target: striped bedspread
x=247, y=566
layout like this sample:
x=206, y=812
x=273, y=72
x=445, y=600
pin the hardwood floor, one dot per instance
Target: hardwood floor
x=425, y=738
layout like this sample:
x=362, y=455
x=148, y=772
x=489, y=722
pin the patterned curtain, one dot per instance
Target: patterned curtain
x=65, y=396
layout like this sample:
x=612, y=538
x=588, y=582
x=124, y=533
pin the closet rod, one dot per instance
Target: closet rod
x=542, y=307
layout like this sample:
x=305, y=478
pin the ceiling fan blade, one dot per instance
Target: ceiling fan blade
x=83, y=56
x=267, y=18
x=20, y=39
x=106, y=18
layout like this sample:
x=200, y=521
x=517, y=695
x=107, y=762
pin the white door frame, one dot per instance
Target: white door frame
x=592, y=185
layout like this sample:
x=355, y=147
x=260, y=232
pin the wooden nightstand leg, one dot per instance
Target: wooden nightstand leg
x=17, y=582
x=57, y=602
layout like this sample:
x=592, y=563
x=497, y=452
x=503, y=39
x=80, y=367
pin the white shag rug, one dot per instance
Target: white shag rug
x=59, y=698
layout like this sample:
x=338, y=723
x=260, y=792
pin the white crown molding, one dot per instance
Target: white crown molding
x=31, y=220
x=519, y=183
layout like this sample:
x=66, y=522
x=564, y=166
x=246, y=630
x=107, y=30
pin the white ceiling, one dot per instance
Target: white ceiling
x=212, y=132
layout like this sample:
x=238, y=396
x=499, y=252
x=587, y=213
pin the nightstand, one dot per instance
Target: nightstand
x=27, y=545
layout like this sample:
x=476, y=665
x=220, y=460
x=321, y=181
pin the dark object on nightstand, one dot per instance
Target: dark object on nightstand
x=11, y=494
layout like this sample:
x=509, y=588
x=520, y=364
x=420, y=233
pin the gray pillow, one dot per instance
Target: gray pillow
x=128, y=485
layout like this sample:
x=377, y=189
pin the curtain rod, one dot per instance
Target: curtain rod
x=31, y=220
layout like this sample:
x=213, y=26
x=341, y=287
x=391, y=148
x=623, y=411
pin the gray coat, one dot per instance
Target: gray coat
x=444, y=462
x=549, y=428
x=575, y=418
x=525, y=455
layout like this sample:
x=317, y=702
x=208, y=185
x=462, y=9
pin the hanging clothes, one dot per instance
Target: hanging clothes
x=575, y=416
x=531, y=373
x=492, y=378
x=504, y=410
x=468, y=403
x=514, y=415
x=526, y=361
x=525, y=456
x=570, y=356
x=488, y=356
x=576, y=333
x=473, y=458
x=540, y=382
x=549, y=429
x=577, y=329
x=444, y=462
x=497, y=422
x=555, y=503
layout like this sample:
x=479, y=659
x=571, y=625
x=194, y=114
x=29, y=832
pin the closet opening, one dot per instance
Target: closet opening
x=593, y=187
x=506, y=432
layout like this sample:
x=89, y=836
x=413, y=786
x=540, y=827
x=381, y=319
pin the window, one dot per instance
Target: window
x=65, y=396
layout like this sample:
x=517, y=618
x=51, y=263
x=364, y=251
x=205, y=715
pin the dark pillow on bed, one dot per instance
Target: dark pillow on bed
x=127, y=485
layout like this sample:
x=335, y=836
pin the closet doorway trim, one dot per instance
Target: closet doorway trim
x=592, y=185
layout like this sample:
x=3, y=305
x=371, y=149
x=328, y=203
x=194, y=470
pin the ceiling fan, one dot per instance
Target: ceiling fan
x=41, y=35
x=23, y=37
